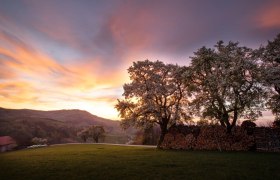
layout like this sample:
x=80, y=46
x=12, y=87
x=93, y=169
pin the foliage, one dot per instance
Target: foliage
x=59, y=126
x=147, y=136
x=202, y=122
x=270, y=54
x=248, y=124
x=94, y=132
x=39, y=141
x=276, y=123
x=155, y=95
x=24, y=129
x=88, y=161
x=83, y=134
x=225, y=84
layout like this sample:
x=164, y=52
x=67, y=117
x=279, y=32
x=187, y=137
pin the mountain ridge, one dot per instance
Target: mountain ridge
x=64, y=115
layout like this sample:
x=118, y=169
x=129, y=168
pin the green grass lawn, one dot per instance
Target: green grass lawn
x=90, y=161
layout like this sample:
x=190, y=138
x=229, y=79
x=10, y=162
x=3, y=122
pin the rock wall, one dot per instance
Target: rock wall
x=216, y=138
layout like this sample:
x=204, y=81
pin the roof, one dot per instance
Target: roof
x=6, y=140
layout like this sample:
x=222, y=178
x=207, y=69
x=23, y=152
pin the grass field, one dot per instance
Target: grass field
x=89, y=161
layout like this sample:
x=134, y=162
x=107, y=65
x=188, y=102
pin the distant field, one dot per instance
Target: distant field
x=90, y=161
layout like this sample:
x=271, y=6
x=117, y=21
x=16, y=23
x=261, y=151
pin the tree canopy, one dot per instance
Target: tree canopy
x=94, y=132
x=155, y=95
x=270, y=54
x=225, y=83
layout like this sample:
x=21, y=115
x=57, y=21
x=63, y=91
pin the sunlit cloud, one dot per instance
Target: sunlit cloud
x=37, y=80
x=269, y=16
x=17, y=92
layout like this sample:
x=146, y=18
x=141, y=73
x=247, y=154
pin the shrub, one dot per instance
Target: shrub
x=248, y=124
x=39, y=141
x=276, y=123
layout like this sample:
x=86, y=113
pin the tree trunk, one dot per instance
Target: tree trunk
x=222, y=123
x=229, y=129
x=84, y=138
x=163, y=128
x=235, y=116
x=161, y=138
x=277, y=89
x=225, y=120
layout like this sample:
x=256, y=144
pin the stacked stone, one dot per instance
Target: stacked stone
x=267, y=139
x=208, y=138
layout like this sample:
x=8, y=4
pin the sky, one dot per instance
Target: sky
x=69, y=54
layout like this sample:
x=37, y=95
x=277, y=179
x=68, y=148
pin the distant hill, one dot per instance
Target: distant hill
x=57, y=126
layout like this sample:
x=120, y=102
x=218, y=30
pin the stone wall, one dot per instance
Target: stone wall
x=267, y=139
x=216, y=138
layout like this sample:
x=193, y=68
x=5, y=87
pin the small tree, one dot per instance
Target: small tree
x=155, y=95
x=83, y=134
x=225, y=83
x=96, y=132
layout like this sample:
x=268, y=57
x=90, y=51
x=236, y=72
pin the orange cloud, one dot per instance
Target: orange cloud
x=17, y=92
x=32, y=79
x=24, y=61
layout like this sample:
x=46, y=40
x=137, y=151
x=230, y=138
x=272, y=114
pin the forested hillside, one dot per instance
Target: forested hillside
x=57, y=126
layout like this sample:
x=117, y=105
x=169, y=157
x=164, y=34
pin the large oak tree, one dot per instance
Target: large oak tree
x=225, y=82
x=155, y=95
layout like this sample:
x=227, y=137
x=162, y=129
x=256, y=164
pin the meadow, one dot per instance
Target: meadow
x=93, y=161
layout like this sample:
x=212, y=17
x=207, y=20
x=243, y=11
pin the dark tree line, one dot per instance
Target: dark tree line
x=223, y=84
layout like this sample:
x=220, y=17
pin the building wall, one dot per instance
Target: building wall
x=7, y=147
x=3, y=149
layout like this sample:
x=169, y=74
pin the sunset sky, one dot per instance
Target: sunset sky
x=64, y=54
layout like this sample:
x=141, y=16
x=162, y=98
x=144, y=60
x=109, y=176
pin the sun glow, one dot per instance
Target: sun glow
x=102, y=109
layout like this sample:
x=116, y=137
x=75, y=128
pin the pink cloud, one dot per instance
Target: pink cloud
x=269, y=15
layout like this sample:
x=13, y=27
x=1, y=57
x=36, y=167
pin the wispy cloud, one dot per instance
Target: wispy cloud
x=30, y=77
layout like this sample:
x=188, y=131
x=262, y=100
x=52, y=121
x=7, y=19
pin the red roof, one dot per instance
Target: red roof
x=6, y=140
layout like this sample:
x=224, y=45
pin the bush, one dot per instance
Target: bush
x=248, y=124
x=39, y=141
x=276, y=123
